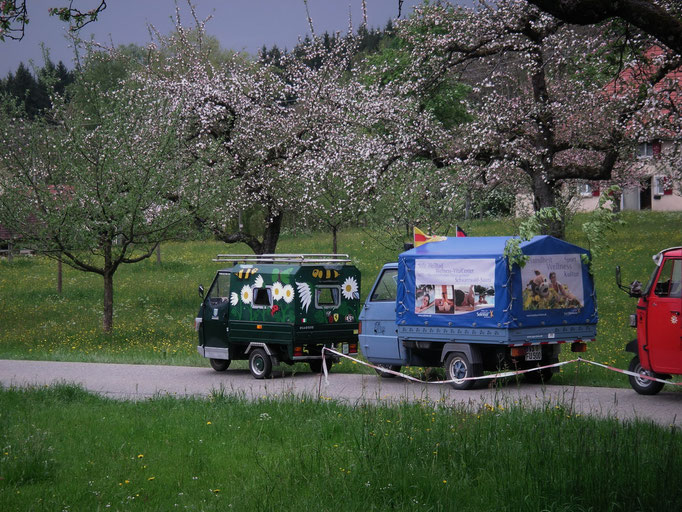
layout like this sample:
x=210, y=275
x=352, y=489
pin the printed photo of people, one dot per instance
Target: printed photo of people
x=425, y=299
x=552, y=282
x=450, y=300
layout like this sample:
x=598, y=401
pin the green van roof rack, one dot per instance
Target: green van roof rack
x=301, y=259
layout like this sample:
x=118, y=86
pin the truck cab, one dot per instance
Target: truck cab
x=379, y=334
x=658, y=321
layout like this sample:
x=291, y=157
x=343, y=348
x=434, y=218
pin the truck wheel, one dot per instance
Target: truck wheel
x=458, y=366
x=316, y=365
x=219, y=365
x=643, y=386
x=386, y=375
x=538, y=376
x=260, y=364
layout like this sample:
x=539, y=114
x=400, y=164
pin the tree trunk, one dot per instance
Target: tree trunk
x=59, y=275
x=544, y=193
x=467, y=204
x=271, y=234
x=108, y=321
x=108, y=275
x=334, y=240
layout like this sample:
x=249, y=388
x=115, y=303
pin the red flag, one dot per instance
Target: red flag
x=460, y=231
x=421, y=238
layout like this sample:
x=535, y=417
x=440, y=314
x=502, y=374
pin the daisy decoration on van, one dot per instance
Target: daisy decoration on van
x=349, y=289
x=246, y=294
x=288, y=293
x=277, y=290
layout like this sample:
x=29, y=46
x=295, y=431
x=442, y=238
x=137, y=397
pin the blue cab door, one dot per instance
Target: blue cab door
x=379, y=338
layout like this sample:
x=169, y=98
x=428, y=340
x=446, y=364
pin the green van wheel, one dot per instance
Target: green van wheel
x=260, y=364
x=219, y=365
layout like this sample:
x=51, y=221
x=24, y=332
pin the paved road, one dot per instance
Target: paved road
x=141, y=381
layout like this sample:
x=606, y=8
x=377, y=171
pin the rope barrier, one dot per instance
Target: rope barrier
x=491, y=376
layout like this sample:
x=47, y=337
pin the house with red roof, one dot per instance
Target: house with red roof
x=654, y=173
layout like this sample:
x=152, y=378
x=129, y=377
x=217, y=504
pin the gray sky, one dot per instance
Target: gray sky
x=238, y=24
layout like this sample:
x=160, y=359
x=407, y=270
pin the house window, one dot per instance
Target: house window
x=587, y=190
x=645, y=150
x=662, y=186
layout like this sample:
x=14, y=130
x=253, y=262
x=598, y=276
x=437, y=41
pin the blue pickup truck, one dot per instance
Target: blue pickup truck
x=457, y=303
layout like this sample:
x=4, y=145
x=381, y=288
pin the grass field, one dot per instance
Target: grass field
x=63, y=449
x=155, y=305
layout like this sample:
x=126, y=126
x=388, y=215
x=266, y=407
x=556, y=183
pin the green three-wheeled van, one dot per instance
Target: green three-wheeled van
x=279, y=308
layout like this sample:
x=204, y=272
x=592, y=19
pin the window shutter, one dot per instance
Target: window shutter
x=656, y=146
x=667, y=186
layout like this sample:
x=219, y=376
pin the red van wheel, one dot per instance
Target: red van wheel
x=641, y=385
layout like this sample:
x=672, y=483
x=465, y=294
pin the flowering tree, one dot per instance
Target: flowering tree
x=283, y=139
x=661, y=19
x=14, y=17
x=99, y=185
x=541, y=118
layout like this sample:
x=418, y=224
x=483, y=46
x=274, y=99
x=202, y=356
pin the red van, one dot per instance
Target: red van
x=658, y=347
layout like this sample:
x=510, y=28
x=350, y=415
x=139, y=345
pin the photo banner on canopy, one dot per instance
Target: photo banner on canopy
x=553, y=281
x=454, y=286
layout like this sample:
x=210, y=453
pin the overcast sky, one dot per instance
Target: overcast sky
x=238, y=24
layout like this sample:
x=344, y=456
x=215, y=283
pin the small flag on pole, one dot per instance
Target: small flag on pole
x=460, y=231
x=421, y=238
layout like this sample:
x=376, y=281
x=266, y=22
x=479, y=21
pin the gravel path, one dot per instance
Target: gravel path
x=127, y=381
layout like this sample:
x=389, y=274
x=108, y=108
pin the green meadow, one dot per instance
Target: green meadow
x=64, y=449
x=155, y=304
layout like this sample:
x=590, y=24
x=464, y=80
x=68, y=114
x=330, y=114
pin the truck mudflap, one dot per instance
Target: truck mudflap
x=471, y=351
x=214, y=352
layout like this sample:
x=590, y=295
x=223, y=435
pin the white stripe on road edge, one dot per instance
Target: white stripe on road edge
x=491, y=376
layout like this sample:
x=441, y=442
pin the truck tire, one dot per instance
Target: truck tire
x=219, y=365
x=539, y=376
x=458, y=366
x=386, y=375
x=316, y=365
x=643, y=386
x=260, y=364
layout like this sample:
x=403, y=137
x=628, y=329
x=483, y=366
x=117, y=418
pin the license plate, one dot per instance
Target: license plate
x=344, y=348
x=534, y=353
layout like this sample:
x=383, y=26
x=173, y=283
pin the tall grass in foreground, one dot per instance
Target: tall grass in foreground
x=155, y=304
x=64, y=449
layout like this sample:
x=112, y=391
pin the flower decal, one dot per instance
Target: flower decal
x=234, y=298
x=305, y=295
x=259, y=282
x=288, y=293
x=349, y=289
x=277, y=290
x=246, y=294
